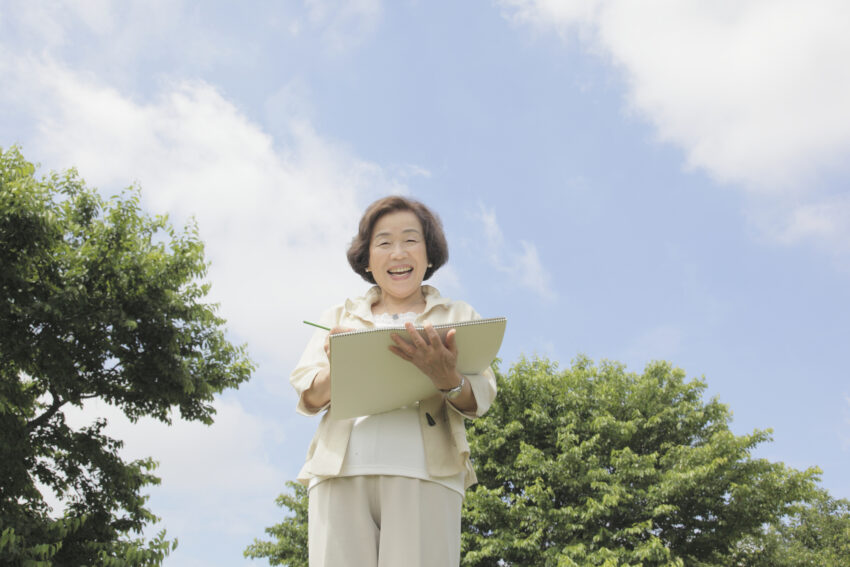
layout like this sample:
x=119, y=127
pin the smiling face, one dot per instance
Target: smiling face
x=398, y=259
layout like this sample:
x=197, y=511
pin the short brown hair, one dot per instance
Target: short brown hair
x=436, y=248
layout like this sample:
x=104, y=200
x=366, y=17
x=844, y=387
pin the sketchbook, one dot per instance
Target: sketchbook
x=367, y=378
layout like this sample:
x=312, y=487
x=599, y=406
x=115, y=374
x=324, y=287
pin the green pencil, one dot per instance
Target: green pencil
x=315, y=325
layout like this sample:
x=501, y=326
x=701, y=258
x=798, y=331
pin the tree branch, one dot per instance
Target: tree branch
x=58, y=402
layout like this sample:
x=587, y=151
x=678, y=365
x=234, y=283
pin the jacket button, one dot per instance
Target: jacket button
x=430, y=419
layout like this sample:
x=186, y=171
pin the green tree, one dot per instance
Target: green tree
x=597, y=466
x=100, y=301
x=289, y=546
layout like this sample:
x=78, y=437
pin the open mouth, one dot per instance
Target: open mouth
x=400, y=271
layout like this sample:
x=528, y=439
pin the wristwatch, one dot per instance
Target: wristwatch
x=452, y=393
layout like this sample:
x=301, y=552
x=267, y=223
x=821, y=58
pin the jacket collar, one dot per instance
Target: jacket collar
x=361, y=307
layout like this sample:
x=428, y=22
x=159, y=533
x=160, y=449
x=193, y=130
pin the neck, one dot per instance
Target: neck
x=391, y=305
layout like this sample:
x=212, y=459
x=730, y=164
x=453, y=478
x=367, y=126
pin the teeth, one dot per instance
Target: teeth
x=399, y=270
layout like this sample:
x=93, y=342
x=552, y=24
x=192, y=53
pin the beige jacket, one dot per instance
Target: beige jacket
x=446, y=448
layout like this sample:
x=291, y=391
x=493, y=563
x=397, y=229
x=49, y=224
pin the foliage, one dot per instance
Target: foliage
x=101, y=301
x=594, y=466
x=815, y=534
x=597, y=466
x=289, y=546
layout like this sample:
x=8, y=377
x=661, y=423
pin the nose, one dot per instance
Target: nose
x=397, y=250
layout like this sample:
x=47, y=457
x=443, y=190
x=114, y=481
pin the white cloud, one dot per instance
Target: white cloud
x=823, y=220
x=194, y=457
x=97, y=15
x=205, y=470
x=344, y=24
x=523, y=266
x=276, y=221
x=547, y=13
x=291, y=101
x=753, y=91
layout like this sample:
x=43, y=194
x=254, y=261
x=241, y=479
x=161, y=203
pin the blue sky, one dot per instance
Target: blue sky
x=629, y=181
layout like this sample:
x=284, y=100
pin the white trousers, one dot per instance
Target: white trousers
x=383, y=521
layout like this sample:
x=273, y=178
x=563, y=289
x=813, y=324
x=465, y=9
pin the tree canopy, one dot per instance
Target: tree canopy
x=597, y=466
x=101, y=300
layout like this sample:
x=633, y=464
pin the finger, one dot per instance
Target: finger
x=433, y=335
x=398, y=352
x=417, y=339
x=334, y=331
x=450, y=341
x=402, y=342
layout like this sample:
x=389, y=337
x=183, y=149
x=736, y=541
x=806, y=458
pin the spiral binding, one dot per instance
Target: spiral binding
x=440, y=327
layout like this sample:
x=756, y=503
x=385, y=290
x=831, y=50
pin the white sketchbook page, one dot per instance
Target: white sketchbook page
x=367, y=378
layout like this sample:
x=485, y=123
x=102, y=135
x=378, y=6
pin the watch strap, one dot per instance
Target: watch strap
x=453, y=393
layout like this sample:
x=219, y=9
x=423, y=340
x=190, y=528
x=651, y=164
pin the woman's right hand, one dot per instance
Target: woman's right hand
x=334, y=331
x=318, y=395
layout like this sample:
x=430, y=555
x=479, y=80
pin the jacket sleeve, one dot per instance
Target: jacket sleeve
x=483, y=385
x=312, y=361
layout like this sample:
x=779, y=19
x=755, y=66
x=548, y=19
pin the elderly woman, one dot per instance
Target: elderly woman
x=386, y=490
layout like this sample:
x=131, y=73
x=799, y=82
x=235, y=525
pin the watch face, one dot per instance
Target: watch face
x=455, y=392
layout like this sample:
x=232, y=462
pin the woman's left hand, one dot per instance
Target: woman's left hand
x=436, y=359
